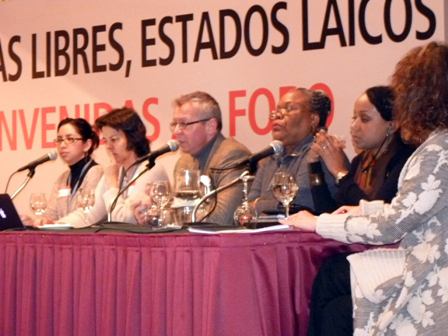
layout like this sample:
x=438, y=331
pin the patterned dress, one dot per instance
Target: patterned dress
x=402, y=291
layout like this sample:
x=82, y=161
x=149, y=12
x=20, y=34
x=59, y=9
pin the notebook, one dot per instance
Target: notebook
x=9, y=218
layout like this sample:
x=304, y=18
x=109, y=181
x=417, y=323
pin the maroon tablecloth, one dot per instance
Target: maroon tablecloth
x=170, y=284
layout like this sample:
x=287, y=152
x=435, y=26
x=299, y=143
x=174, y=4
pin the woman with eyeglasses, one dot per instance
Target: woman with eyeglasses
x=75, y=143
x=124, y=135
x=299, y=113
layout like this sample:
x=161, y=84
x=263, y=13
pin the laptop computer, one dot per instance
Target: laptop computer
x=9, y=218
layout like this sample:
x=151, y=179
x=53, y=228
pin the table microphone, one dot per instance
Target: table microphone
x=31, y=167
x=171, y=146
x=50, y=156
x=275, y=148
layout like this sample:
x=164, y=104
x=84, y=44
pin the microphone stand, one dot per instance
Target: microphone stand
x=120, y=192
x=217, y=190
x=28, y=178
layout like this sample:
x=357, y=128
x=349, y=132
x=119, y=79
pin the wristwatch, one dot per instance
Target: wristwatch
x=340, y=176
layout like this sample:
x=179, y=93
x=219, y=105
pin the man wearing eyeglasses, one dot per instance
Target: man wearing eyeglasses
x=197, y=125
x=300, y=112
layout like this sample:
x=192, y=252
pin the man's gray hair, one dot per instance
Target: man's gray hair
x=205, y=105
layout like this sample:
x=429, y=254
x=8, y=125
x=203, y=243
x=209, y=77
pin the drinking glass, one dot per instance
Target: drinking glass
x=38, y=203
x=86, y=201
x=284, y=188
x=151, y=216
x=245, y=215
x=187, y=193
x=187, y=184
x=160, y=193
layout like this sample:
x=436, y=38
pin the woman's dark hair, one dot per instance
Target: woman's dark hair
x=382, y=97
x=420, y=85
x=320, y=104
x=128, y=121
x=84, y=129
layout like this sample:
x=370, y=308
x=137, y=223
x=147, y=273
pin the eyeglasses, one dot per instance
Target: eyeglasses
x=282, y=111
x=183, y=125
x=67, y=141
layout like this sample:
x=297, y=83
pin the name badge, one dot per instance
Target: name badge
x=65, y=192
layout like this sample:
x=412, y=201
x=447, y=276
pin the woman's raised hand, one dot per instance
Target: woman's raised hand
x=330, y=149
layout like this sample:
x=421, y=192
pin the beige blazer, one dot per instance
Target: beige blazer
x=225, y=153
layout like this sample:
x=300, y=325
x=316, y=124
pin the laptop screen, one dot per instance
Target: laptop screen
x=9, y=218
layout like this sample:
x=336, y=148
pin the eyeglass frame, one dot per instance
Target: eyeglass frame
x=67, y=141
x=282, y=111
x=183, y=125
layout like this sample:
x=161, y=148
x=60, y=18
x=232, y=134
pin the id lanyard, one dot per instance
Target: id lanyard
x=124, y=180
x=75, y=188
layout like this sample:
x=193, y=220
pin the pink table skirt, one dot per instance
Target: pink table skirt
x=170, y=284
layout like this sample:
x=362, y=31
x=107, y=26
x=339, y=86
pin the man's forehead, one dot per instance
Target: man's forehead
x=186, y=110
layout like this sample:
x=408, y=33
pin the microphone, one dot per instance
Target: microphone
x=53, y=155
x=171, y=146
x=275, y=147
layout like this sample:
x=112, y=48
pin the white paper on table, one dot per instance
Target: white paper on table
x=55, y=227
x=279, y=227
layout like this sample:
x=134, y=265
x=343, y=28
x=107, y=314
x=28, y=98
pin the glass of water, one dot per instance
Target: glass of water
x=86, y=201
x=284, y=188
x=160, y=193
x=38, y=203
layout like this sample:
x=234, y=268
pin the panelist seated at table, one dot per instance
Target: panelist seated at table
x=75, y=142
x=373, y=174
x=299, y=113
x=197, y=124
x=124, y=135
x=400, y=291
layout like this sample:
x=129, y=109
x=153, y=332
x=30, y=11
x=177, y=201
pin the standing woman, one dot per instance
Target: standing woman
x=124, y=134
x=373, y=174
x=75, y=143
x=401, y=291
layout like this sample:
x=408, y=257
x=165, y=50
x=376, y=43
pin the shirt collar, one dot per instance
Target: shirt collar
x=304, y=144
x=301, y=146
x=203, y=154
x=77, y=167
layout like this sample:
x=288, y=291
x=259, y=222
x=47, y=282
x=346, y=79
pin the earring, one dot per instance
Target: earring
x=389, y=129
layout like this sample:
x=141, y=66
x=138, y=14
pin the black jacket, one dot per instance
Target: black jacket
x=349, y=193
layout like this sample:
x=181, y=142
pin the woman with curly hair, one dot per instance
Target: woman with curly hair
x=401, y=291
x=373, y=174
x=124, y=134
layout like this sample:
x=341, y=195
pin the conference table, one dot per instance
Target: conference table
x=64, y=283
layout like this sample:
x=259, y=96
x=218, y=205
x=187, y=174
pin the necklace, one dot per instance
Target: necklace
x=372, y=162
